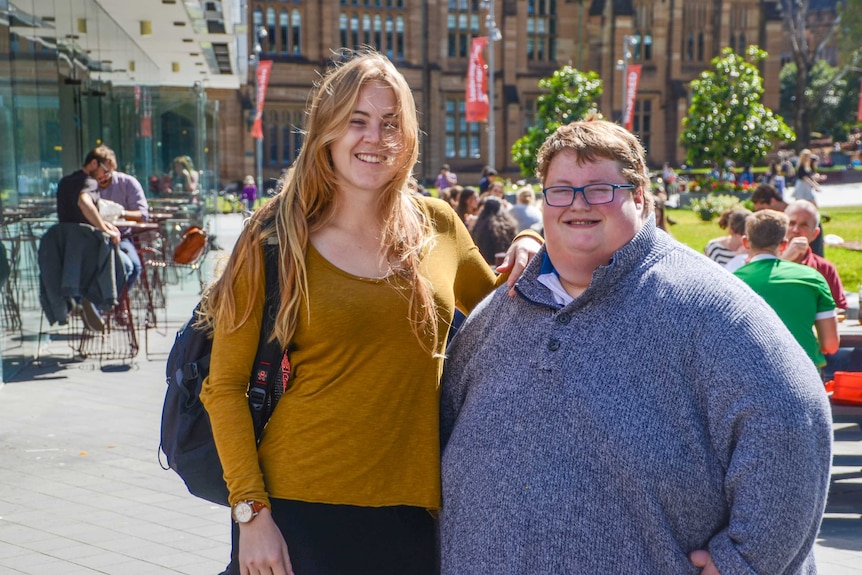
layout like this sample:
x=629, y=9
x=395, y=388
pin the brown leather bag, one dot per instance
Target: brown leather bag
x=192, y=245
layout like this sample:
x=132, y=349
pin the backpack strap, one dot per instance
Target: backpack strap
x=269, y=353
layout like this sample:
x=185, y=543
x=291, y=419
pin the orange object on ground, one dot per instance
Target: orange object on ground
x=846, y=387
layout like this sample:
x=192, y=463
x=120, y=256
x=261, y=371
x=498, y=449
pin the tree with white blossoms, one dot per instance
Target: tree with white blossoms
x=727, y=119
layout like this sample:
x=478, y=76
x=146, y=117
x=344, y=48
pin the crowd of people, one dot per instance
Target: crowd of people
x=548, y=436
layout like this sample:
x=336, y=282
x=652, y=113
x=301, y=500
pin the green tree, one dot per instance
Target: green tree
x=571, y=95
x=845, y=29
x=835, y=113
x=727, y=119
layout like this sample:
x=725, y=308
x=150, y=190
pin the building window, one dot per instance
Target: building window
x=272, y=143
x=695, y=17
x=269, y=43
x=643, y=121
x=530, y=105
x=643, y=41
x=462, y=137
x=738, y=27
x=284, y=26
x=343, y=27
x=462, y=24
x=367, y=28
x=289, y=40
x=542, y=30
x=282, y=136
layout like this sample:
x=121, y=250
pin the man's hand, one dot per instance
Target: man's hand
x=112, y=231
x=520, y=253
x=796, y=249
x=703, y=560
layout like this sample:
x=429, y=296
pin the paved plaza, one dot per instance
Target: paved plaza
x=82, y=492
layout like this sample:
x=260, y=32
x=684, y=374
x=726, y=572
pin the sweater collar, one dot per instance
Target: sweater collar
x=604, y=278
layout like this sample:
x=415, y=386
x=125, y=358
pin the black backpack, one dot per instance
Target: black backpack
x=186, y=435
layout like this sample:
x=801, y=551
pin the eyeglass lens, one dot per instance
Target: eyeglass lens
x=593, y=194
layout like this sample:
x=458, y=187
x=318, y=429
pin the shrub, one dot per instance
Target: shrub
x=712, y=206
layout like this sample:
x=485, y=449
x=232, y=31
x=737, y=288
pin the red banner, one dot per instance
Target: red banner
x=262, y=77
x=859, y=111
x=477, y=83
x=633, y=78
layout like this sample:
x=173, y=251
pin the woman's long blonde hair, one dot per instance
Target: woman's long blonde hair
x=306, y=200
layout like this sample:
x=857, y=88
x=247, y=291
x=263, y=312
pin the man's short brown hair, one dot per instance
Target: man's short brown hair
x=766, y=229
x=102, y=154
x=765, y=193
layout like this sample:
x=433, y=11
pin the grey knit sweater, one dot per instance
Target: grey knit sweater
x=666, y=409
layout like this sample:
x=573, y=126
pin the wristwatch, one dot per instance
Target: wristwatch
x=245, y=511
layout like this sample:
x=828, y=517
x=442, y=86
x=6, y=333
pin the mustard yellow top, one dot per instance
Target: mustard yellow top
x=359, y=423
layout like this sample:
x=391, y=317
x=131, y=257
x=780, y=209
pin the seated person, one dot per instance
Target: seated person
x=722, y=250
x=445, y=179
x=767, y=197
x=525, y=210
x=803, y=229
x=798, y=294
x=494, y=230
x=571, y=446
x=77, y=202
x=126, y=191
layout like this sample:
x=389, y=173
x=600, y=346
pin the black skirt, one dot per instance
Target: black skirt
x=325, y=539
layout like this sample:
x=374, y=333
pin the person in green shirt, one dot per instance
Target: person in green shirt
x=799, y=294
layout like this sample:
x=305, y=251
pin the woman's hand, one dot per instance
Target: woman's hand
x=262, y=549
x=522, y=250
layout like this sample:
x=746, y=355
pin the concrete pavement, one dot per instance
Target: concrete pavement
x=82, y=493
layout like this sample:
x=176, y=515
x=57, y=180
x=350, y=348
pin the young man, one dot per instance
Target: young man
x=572, y=445
x=798, y=294
x=78, y=195
x=126, y=191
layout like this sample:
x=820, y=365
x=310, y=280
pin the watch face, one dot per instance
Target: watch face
x=242, y=512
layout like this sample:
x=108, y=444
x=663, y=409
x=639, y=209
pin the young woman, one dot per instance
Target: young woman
x=494, y=229
x=807, y=181
x=349, y=464
x=468, y=206
x=722, y=250
x=184, y=176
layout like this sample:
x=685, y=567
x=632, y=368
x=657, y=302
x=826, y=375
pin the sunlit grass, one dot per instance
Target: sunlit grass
x=845, y=222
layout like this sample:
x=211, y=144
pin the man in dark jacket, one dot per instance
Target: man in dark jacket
x=77, y=203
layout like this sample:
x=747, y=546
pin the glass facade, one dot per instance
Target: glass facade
x=71, y=79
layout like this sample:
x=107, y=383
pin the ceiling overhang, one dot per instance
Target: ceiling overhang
x=141, y=42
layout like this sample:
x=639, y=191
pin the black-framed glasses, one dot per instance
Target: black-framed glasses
x=594, y=194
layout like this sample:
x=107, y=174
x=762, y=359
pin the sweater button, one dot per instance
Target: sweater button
x=554, y=345
x=564, y=318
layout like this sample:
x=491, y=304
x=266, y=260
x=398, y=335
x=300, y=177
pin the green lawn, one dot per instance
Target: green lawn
x=845, y=222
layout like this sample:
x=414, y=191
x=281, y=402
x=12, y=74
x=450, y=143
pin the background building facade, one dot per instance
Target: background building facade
x=428, y=40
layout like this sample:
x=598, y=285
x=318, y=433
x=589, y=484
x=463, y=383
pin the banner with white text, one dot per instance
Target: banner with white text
x=633, y=78
x=476, y=109
x=264, y=67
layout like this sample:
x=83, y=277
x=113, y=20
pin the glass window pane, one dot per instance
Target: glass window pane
x=297, y=33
